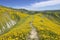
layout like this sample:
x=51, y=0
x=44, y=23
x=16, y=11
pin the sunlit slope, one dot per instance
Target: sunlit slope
x=20, y=32
x=48, y=26
x=17, y=25
x=13, y=23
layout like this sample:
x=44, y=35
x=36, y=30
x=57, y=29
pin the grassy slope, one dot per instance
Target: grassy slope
x=47, y=26
x=47, y=29
x=20, y=27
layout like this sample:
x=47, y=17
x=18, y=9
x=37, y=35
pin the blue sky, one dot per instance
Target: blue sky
x=32, y=4
x=18, y=3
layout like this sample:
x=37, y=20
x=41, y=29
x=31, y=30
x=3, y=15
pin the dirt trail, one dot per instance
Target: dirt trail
x=33, y=33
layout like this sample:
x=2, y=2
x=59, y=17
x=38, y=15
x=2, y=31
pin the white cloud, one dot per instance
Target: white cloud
x=37, y=5
x=45, y=3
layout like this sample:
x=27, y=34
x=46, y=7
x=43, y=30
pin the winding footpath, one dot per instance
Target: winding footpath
x=33, y=33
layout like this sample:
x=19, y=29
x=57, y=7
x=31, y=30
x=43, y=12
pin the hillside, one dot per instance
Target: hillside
x=21, y=24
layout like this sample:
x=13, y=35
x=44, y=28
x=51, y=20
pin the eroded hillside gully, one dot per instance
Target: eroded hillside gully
x=6, y=23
